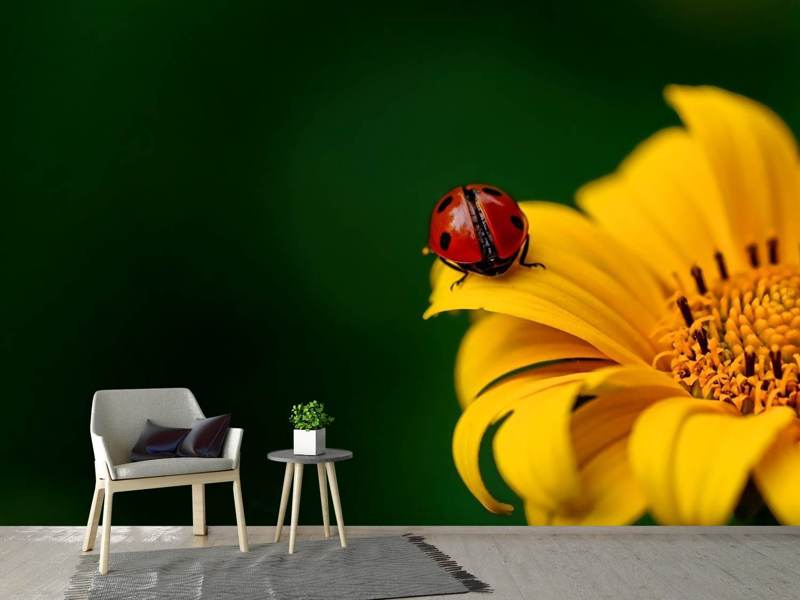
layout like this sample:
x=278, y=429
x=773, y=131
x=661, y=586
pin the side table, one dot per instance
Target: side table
x=294, y=471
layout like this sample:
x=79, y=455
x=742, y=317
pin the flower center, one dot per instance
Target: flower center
x=738, y=340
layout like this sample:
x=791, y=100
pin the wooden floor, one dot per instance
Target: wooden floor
x=518, y=562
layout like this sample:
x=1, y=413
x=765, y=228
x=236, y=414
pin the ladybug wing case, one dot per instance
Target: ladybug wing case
x=452, y=234
x=506, y=221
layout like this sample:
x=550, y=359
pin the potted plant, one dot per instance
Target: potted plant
x=309, y=421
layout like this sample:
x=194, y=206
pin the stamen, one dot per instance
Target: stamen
x=723, y=269
x=738, y=341
x=697, y=273
x=749, y=362
x=683, y=305
x=752, y=253
x=777, y=363
x=772, y=245
x=701, y=335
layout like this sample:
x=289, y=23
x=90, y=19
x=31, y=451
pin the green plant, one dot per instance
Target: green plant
x=310, y=415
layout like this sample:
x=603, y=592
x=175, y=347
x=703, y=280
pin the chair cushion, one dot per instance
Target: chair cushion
x=206, y=437
x=158, y=442
x=171, y=466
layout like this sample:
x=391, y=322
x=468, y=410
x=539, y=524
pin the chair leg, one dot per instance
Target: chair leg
x=199, y=509
x=337, y=503
x=323, y=497
x=106, y=542
x=298, y=484
x=287, y=485
x=240, y=524
x=94, y=516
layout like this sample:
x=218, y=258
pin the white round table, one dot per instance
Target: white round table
x=294, y=471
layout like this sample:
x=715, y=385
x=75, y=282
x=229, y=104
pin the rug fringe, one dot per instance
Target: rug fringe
x=472, y=583
x=80, y=584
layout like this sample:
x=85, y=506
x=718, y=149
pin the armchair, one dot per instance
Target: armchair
x=118, y=417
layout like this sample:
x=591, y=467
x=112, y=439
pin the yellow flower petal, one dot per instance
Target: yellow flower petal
x=693, y=457
x=570, y=467
x=600, y=285
x=497, y=345
x=616, y=497
x=610, y=416
x=489, y=408
x=533, y=452
x=730, y=181
x=571, y=295
x=614, y=206
x=754, y=158
x=554, y=302
x=608, y=380
x=562, y=228
x=672, y=179
x=778, y=476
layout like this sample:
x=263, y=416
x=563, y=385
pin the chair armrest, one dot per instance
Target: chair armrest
x=102, y=461
x=232, y=445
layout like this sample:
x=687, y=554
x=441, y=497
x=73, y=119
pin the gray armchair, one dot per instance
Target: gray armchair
x=118, y=418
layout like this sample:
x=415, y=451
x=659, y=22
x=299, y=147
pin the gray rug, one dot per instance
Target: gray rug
x=368, y=569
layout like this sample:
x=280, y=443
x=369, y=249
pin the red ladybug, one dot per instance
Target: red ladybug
x=480, y=229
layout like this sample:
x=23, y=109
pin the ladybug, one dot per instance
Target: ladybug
x=479, y=229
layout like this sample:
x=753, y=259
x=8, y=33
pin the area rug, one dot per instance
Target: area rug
x=368, y=569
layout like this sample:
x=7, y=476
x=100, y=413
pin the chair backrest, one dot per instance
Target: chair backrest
x=120, y=415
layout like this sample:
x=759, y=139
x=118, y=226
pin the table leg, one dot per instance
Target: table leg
x=337, y=504
x=323, y=497
x=287, y=484
x=298, y=484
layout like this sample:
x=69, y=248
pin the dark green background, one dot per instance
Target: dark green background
x=233, y=196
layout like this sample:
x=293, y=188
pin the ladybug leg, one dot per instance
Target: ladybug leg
x=458, y=281
x=455, y=267
x=524, y=254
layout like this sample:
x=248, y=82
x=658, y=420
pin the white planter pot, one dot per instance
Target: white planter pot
x=309, y=442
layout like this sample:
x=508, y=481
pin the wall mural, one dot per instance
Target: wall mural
x=653, y=365
x=232, y=198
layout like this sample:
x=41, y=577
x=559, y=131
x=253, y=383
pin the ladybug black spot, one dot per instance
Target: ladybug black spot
x=517, y=222
x=444, y=240
x=493, y=192
x=444, y=204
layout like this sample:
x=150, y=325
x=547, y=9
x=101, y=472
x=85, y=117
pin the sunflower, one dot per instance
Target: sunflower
x=653, y=366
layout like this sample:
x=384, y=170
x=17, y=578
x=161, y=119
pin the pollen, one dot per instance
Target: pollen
x=737, y=340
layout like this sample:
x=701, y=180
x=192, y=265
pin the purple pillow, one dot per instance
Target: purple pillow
x=158, y=442
x=206, y=437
